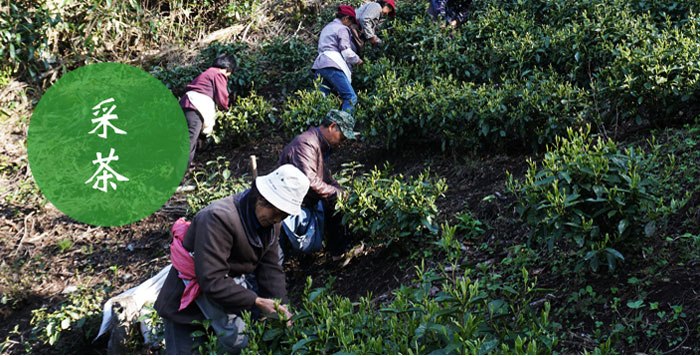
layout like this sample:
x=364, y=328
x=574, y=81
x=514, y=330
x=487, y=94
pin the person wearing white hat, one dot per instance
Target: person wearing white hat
x=229, y=239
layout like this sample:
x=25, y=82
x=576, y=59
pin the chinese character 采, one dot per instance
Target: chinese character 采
x=104, y=120
x=107, y=172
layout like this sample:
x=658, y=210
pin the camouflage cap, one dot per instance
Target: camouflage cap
x=345, y=121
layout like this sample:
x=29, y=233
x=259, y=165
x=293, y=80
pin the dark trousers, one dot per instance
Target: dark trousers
x=178, y=338
x=337, y=235
x=194, y=125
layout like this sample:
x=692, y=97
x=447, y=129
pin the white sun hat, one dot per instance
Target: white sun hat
x=284, y=188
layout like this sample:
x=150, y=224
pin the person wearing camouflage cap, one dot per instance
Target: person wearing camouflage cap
x=310, y=152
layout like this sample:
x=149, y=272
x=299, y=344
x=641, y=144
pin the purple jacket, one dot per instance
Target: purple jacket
x=211, y=83
x=335, y=37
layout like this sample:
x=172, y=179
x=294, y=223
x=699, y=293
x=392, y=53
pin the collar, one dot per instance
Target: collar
x=257, y=234
x=325, y=145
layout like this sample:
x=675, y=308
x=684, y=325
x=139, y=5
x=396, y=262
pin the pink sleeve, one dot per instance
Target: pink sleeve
x=221, y=91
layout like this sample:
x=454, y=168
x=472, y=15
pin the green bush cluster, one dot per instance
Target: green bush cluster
x=212, y=183
x=436, y=315
x=80, y=313
x=23, y=38
x=527, y=111
x=244, y=119
x=384, y=208
x=590, y=198
x=308, y=108
x=281, y=66
x=287, y=63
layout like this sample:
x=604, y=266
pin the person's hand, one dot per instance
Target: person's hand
x=374, y=40
x=287, y=314
x=360, y=62
x=269, y=306
x=342, y=194
x=453, y=23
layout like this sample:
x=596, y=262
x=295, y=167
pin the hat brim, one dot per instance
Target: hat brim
x=265, y=189
x=349, y=134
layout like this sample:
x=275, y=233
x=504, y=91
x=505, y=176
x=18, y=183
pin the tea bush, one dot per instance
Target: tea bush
x=591, y=199
x=435, y=315
x=212, y=183
x=80, y=314
x=624, y=61
x=23, y=38
x=661, y=73
x=527, y=112
x=244, y=79
x=177, y=78
x=384, y=208
x=287, y=64
x=248, y=76
x=308, y=108
x=245, y=119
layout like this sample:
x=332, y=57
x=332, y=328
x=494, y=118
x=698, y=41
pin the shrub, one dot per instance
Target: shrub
x=79, y=315
x=308, y=108
x=436, y=315
x=288, y=63
x=244, y=79
x=385, y=208
x=23, y=38
x=248, y=76
x=525, y=111
x=177, y=78
x=431, y=51
x=400, y=110
x=213, y=183
x=244, y=120
x=530, y=110
x=590, y=198
x=635, y=59
x=655, y=73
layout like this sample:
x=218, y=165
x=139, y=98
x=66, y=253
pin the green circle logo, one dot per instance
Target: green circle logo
x=108, y=144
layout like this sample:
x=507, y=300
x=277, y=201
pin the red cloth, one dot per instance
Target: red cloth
x=211, y=83
x=393, y=7
x=347, y=10
x=183, y=262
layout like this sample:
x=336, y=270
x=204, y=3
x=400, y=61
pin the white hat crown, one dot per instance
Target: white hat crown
x=285, y=188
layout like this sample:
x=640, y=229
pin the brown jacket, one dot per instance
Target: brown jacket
x=308, y=152
x=223, y=248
